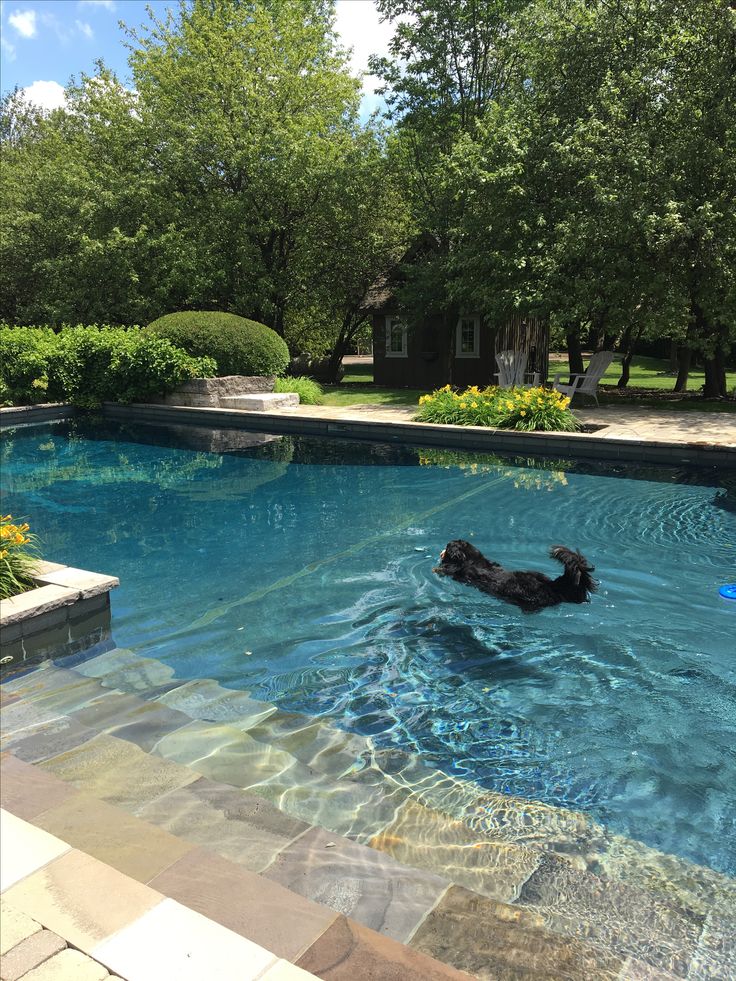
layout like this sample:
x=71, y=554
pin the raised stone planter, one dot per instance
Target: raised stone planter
x=68, y=612
x=213, y=393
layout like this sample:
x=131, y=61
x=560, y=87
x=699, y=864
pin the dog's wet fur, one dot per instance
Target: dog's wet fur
x=531, y=591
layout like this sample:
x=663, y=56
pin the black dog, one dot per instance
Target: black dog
x=529, y=590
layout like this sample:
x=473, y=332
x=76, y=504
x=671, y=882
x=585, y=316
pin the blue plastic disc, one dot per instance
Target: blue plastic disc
x=728, y=591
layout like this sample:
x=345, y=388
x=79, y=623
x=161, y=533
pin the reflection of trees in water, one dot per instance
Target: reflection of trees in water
x=527, y=473
x=203, y=475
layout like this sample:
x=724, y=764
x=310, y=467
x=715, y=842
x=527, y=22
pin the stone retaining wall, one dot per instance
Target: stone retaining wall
x=68, y=612
x=208, y=393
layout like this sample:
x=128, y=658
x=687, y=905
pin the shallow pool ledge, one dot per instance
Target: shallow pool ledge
x=67, y=612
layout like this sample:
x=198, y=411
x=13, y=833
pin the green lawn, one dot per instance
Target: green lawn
x=652, y=373
x=357, y=388
x=646, y=374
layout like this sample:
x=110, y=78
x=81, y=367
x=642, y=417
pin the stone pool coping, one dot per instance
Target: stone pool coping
x=380, y=425
x=67, y=612
x=646, y=436
x=178, y=910
x=59, y=912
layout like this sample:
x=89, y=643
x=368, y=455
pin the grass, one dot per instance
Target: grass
x=357, y=388
x=649, y=386
x=652, y=373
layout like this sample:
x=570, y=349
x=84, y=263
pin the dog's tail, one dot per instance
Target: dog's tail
x=576, y=580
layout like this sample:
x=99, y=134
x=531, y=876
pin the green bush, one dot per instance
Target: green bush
x=91, y=365
x=24, y=362
x=309, y=391
x=238, y=346
x=525, y=409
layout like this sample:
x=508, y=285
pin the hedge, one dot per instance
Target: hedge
x=90, y=365
x=238, y=346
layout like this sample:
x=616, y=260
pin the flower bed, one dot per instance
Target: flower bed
x=18, y=556
x=526, y=409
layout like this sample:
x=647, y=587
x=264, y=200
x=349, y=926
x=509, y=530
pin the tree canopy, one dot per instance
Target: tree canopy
x=575, y=159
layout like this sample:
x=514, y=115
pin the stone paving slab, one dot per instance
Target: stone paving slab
x=424, y=838
x=357, y=881
x=35, y=743
x=239, y=826
x=498, y=942
x=348, y=952
x=24, y=849
x=118, y=772
x=612, y=915
x=114, y=837
x=81, y=899
x=172, y=941
x=26, y=790
x=263, y=911
x=138, y=931
x=645, y=424
x=86, y=583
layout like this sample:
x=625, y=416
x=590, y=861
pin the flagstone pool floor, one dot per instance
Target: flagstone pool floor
x=257, y=820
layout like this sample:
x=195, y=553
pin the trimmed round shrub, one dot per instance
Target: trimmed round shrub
x=238, y=346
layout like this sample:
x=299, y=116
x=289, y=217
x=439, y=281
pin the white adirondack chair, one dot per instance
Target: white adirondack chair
x=512, y=369
x=586, y=384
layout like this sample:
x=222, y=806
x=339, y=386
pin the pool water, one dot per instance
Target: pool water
x=301, y=570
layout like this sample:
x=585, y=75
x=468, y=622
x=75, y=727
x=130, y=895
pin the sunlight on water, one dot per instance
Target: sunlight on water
x=301, y=570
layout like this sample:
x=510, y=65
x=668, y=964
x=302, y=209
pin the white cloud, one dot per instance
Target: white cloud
x=359, y=28
x=107, y=4
x=24, y=22
x=84, y=28
x=8, y=48
x=45, y=95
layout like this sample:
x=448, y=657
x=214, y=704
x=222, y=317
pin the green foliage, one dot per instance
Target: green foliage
x=238, y=346
x=24, y=361
x=18, y=556
x=525, y=409
x=309, y=391
x=91, y=365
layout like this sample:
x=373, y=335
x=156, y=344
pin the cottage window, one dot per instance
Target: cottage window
x=467, y=338
x=395, y=338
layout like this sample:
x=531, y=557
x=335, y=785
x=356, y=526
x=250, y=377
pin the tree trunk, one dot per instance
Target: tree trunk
x=715, y=371
x=684, y=358
x=574, y=350
x=673, y=357
x=628, y=344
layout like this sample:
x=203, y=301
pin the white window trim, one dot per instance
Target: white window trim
x=403, y=353
x=459, y=339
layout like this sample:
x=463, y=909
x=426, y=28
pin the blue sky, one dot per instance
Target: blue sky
x=44, y=42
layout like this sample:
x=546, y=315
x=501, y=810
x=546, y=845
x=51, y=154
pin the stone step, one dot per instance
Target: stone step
x=260, y=401
x=314, y=772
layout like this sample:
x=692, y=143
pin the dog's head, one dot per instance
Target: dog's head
x=455, y=555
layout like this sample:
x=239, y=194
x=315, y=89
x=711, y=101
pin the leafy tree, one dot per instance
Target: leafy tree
x=448, y=63
x=245, y=106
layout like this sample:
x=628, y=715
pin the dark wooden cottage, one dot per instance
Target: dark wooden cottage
x=429, y=355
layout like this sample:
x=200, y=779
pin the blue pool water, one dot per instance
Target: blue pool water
x=301, y=570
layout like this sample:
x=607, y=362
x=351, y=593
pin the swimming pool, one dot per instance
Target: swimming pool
x=301, y=570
